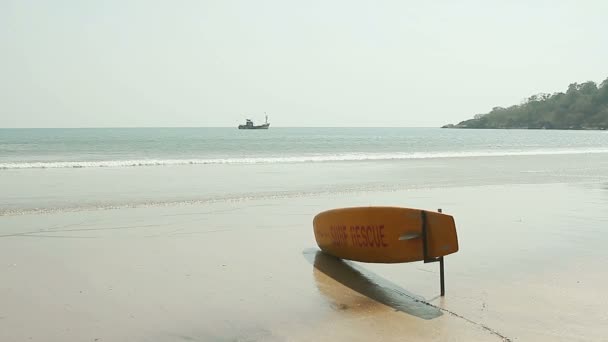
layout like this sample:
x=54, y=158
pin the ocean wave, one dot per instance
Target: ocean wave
x=291, y=159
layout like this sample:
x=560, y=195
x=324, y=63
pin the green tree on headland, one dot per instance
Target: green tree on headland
x=582, y=106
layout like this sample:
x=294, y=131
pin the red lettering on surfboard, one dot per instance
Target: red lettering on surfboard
x=362, y=236
x=338, y=235
x=381, y=228
x=370, y=236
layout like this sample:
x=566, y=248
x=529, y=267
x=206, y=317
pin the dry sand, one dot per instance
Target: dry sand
x=532, y=267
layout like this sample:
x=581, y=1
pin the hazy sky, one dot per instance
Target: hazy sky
x=307, y=63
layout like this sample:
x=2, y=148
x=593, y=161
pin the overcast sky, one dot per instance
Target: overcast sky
x=306, y=63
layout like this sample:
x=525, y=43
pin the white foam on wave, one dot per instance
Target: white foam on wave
x=293, y=159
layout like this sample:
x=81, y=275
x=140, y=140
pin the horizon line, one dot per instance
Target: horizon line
x=106, y=127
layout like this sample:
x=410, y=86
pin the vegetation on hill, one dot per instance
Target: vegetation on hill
x=582, y=106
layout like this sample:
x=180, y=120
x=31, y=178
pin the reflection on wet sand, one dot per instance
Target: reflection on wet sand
x=331, y=274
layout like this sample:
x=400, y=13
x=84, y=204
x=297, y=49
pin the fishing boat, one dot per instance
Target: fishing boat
x=249, y=125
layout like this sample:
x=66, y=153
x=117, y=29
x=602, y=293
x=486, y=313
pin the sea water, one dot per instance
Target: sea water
x=68, y=169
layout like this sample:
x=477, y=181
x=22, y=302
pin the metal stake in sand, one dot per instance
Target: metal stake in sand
x=428, y=259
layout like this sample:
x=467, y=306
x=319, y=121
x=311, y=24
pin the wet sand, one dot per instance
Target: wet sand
x=531, y=268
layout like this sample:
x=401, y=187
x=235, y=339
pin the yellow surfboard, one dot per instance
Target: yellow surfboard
x=385, y=234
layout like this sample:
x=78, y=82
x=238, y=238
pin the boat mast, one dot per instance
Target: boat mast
x=266, y=117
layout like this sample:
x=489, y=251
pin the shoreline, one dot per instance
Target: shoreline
x=452, y=126
x=31, y=191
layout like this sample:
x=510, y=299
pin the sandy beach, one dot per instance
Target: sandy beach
x=250, y=270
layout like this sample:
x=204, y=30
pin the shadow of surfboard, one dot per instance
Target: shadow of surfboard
x=368, y=284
